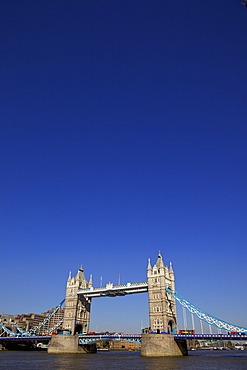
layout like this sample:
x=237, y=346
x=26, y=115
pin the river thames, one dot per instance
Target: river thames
x=227, y=360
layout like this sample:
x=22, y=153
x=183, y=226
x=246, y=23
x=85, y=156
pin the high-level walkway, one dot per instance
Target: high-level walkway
x=111, y=290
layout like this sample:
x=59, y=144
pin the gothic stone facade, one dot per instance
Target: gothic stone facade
x=77, y=308
x=162, y=307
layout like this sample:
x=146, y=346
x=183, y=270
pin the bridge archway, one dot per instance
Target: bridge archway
x=171, y=327
x=78, y=329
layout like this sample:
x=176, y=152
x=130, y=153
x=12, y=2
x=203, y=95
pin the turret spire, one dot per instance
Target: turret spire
x=159, y=262
x=90, y=284
x=171, y=269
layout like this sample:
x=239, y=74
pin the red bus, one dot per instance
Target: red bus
x=187, y=331
x=94, y=333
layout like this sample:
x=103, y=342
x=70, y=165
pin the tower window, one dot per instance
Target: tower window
x=156, y=296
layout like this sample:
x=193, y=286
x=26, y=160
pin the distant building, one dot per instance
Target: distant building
x=27, y=321
x=8, y=321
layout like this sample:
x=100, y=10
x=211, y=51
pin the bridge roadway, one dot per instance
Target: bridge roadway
x=20, y=338
x=211, y=336
x=111, y=290
x=84, y=339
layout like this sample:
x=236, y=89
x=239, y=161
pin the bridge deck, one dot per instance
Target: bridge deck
x=19, y=338
x=111, y=290
x=130, y=337
x=137, y=337
x=211, y=336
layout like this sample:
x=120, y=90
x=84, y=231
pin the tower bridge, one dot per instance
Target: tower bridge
x=162, y=307
x=162, y=338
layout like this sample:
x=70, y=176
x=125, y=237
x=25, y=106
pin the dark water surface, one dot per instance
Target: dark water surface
x=227, y=360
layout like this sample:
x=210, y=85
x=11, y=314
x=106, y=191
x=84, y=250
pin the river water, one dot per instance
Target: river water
x=197, y=360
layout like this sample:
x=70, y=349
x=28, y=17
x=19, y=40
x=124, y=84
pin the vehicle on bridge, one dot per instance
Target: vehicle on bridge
x=95, y=333
x=236, y=333
x=187, y=331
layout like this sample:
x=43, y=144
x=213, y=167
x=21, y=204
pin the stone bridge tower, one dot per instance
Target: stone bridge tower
x=77, y=307
x=162, y=307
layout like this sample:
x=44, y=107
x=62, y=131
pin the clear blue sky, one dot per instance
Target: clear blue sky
x=123, y=132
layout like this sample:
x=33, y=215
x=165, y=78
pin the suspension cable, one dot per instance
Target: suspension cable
x=204, y=316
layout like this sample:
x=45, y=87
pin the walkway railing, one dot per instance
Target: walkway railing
x=114, y=290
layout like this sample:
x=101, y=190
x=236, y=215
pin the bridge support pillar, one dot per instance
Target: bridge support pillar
x=162, y=345
x=69, y=344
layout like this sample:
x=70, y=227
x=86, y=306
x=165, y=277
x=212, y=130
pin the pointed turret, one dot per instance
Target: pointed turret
x=80, y=274
x=90, y=284
x=149, y=268
x=171, y=269
x=159, y=262
x=80, y=278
